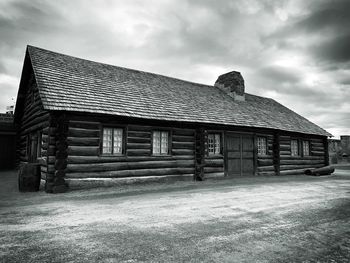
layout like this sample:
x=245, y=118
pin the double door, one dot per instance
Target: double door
x=239, y=155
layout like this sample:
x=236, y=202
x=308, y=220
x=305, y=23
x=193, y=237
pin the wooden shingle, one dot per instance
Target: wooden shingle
x=72, y=84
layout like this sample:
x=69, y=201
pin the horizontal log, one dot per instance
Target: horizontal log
x=51, y=168
x=213, y=169
x=107, y=159
x=183, y=138
x=294, y=167
x=83, y=141
x=293, y=172
x=301, y=161
x=310, y=157
x=79, y=132
x=138, y=152
x=182, y=152
x=84, y=124
x=316, y=140
x=214, y=162
x=284, y=137
x=38, y=117
x=317, y=149
x=131, y=146
x=183, y=145
x=285, y=148
x=318, y=153
x=214, y=175
x=132, y=173
x=143, y=128
x=266, y=168
x=317, y=144
x=180, y=131
x=265, y=162
x=83, y=150
x=139, y=134
x=285, y=152
x=35, y=127
x=118, y=166
x=138, y=140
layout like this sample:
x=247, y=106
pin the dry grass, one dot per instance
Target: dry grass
x=270, y=219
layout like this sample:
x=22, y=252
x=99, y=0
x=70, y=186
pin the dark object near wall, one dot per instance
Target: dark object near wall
x=7, y=142
x=29, y=177
x=326, y=170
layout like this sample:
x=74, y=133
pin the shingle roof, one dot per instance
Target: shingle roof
x=74, y=84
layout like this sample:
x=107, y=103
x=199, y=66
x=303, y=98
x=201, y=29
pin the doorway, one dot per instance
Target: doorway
x=239, y=156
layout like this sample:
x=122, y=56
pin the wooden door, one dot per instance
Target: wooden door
x=239, y=155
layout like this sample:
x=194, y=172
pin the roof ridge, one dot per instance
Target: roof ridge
x=124, y=68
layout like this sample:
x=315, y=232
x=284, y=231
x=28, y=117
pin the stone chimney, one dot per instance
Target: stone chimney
x=232, y=83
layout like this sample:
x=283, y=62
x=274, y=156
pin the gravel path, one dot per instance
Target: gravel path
x=268, y=219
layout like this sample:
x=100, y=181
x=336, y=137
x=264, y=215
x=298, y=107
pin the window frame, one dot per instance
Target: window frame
x=302, y=148
x=221, y=143
x=266, y=145
x=160, y=130
x=298, y=147
x=39, y=144
x=124, y=134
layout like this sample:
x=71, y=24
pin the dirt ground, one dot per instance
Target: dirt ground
x=265, y=219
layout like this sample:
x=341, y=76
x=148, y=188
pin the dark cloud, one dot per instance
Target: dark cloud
x=335, y=50
x=331, y=15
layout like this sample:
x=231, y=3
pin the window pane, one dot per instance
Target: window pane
x=164, y=142
x=211, y=144
x=217, y=143
x=118, y=141
x=306, y=148
x=156, y=142
x=294, y=148
x=262, y=147
x=107, y=140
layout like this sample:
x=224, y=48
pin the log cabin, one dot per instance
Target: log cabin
x=83, y=120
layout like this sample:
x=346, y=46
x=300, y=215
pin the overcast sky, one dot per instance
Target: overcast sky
x=296, y=52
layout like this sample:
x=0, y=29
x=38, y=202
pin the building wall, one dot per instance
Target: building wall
x=33, y=121
x=7, y=142
x=86, y=161
x=297, y=164
x=73, y=146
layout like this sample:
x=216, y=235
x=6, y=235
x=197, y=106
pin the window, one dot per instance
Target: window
x=160, y=143
x=214, y=143
x=306, y=148
x=262, y=149
x=112, y=141
x=39, y=144
x=294, y=147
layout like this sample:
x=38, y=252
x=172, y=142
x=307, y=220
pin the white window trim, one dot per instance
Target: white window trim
x=214, y=148
x=163, y=147
x=113, y=146
x=262, y=147
x=291, y=147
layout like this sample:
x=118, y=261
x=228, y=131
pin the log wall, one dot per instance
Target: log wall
x=34, y=120
x=86, y=161
x=297, y=164
x=265, y=163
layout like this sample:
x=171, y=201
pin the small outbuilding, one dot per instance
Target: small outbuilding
x=85, y=120
x=7, y=142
